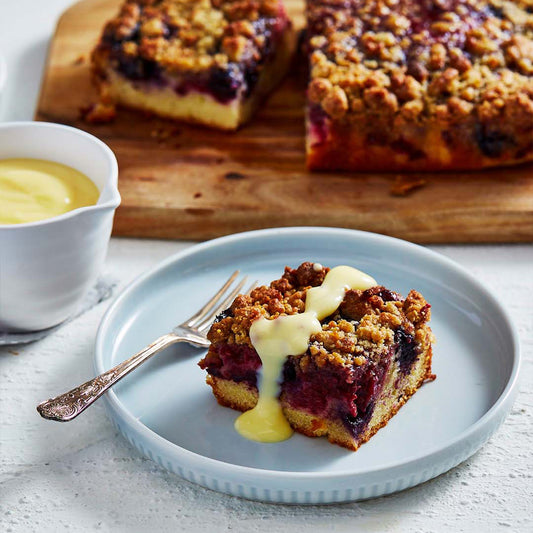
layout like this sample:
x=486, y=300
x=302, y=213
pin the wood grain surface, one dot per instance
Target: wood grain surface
x=187, y=182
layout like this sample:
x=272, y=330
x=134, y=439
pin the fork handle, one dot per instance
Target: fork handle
x=69, y=405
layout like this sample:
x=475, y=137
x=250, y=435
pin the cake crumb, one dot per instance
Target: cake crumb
x=99, y=113
x=80, y=60
x=404, y=185
x=234, y=176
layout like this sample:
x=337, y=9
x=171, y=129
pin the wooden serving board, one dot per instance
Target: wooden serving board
x=187, y=182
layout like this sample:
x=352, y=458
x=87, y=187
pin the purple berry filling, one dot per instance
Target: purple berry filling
x=139, y=69
x=492, y=142
x=407, y=350
x=318, y=124
x=347, y=393
x=367, y=393
x=318, y=392
x=236, y=362
x=223, y=84
x=341, y=392
x=387, y=295
x=225, y=314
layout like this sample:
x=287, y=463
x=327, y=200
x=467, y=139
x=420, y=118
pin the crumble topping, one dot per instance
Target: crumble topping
x=399, y=62
x=364, y=327
x=194, y=35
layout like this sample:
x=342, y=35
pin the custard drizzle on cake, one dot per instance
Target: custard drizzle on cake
x=275, y=340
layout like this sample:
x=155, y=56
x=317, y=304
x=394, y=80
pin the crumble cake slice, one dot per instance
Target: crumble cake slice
x=370, y=357
x=202, y=61
x=419, y=84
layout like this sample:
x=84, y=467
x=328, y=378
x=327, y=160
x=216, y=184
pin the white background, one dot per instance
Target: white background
x=83, y=476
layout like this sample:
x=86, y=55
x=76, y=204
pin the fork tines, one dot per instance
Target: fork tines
x=202, y=320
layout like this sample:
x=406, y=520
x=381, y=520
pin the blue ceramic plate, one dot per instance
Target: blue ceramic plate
x=168, y=412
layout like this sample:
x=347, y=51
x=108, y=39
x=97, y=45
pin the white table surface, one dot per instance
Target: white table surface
x=83, y=476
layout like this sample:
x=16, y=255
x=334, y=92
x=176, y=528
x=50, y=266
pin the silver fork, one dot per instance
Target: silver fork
x=69, y=405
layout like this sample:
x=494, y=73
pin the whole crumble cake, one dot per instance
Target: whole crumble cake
x=419, y=84
x=203, y=61
x=371, y=356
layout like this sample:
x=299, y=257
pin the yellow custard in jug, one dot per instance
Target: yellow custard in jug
x=35, y=189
